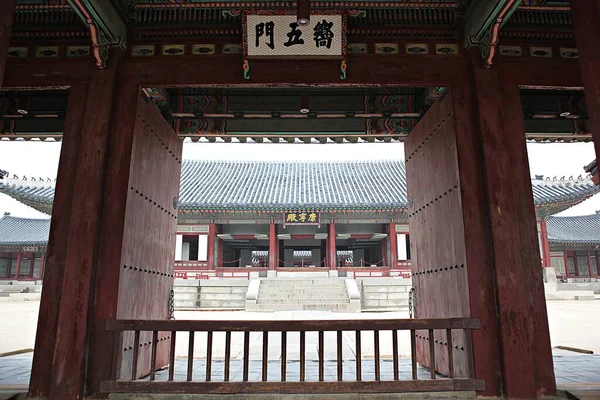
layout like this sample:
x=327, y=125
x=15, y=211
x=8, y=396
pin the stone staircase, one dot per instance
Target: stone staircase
x=20, y=291
x=315, y=294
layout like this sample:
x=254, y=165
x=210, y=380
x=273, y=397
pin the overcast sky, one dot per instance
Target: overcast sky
x=40, y=159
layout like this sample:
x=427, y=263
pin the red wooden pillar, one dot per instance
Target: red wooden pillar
x=273, y=246
x=393, y=246
x=45, y=339
x=67, y=380
x=331, y=250
x=586, y=23
x=220, y=249
x=210, y=247
x=42, y=265
x=546, y=262
x=7, y=16
x=384, y=251
x=522, y=318
x=18, y=268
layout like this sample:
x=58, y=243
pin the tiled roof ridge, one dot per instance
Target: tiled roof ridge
x=273, y=162
x=27, y=181
x=596, y=215
x=8, y=216
x=555, y=180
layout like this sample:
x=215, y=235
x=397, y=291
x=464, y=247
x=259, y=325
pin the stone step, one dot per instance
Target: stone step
x=302, y=295
x=301, y=307
x=302, y=301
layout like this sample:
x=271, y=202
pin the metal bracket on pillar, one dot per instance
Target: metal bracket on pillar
x=106, y=25
x=483, y=21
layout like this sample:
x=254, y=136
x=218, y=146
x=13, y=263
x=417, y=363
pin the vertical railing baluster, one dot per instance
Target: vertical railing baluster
x=358, y=357
x=450, y=353
x=302, y=356
x=227, y=355
x=377, y=356
x=469, y=352
x=136, y=352
x=283, y=356
x=340, y=367
x=395, y=354
x=413, y=354
x=431, y=354
x=190, y=365
x=153, y=355
x=246, y=355
x=209, y=342
x=321, y=357
x=265, y=356
x=172, y=356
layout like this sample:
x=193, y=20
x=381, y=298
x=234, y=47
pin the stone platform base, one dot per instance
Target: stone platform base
x=320, y=396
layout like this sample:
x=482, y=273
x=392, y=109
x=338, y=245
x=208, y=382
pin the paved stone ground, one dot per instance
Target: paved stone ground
x=570, y=369
x=572, y=323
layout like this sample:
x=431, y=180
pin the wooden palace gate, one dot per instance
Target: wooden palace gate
x=472, y=220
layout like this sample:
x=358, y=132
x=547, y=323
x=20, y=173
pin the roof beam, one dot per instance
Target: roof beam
x=483, y=21
x=106, y=26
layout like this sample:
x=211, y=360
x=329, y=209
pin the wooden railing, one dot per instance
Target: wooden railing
x=127, y=379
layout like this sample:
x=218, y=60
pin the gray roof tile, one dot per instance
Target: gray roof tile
x=16, y=232
x=583, y=230
x=339, y=185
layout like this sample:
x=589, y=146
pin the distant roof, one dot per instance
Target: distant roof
x=18, y=232
x=574, y=231
x=280, y=185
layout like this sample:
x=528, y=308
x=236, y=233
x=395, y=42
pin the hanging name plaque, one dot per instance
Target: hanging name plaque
x=301, y=218
x=271, y=35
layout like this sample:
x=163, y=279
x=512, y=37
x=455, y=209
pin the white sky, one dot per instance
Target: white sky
x=40, y=159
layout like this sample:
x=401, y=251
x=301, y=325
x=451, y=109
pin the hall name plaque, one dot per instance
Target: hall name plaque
x=301, y=218
x=280, y=36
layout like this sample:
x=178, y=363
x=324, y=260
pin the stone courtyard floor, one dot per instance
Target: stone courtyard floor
x=572, y=323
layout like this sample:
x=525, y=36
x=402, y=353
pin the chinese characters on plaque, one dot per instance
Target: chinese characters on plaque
x=301, y=218
x=281, y=36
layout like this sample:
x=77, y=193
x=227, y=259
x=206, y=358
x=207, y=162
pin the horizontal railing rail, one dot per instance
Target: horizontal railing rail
x=341, y=380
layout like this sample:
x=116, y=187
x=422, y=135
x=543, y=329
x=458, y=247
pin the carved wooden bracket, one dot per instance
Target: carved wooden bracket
x=483, y=22
x=106, y=27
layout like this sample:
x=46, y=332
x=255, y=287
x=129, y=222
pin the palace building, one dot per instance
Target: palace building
x=245, y=218
x=463, y=84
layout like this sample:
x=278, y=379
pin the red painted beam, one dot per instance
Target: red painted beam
x=48, y=73
x=7, y=16
x=586, y=22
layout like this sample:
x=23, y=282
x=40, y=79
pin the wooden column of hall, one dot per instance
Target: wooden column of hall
x=524, y=339
x=273, y=246
x=393, y=246
x=331, y=251
x=210, y=247
x=586, y=23
x=546, y=262
x=7, y=16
